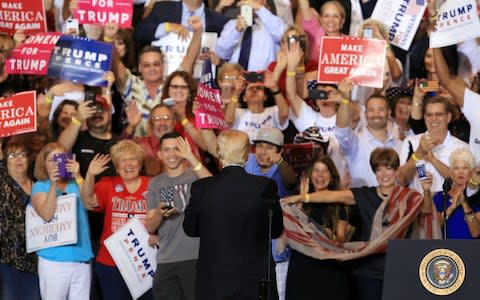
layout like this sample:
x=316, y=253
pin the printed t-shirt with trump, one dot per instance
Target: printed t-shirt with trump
x=119, y=206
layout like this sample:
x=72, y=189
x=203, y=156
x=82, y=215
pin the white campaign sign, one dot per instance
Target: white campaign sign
x=135, y=259
x=457, y=21
x=174, y=50
x=59, y=231
x=401, y=18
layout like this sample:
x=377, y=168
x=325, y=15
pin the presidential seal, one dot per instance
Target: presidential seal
x=442, y=272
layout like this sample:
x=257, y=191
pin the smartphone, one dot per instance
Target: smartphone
x=368, y=33
x=169, y=102
x=71, y=24
x=254, y=77
x=61, y=160
x=315, y=94
x=428, y=86
x=89, y=96
x=292, y=38
x=247, y=13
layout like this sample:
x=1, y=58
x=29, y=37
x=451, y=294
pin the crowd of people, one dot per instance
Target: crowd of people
x=212, y=199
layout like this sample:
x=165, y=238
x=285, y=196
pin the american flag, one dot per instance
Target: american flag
x=415, y=7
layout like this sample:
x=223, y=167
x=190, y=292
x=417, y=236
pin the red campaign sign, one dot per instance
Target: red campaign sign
x=209, y=113
x=105, y=11
x=18, y=114
x=361, y=60
x=26, y=15
x=33, y=55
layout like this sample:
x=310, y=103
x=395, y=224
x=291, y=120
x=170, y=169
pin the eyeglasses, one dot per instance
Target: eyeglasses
x=437, y=114
x=12, y=155
x=255, y=87
x=179, y=87
x=230, y=78
x=161, y=118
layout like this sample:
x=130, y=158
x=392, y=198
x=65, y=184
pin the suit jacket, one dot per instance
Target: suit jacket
x=171, y=11
x=229, y=212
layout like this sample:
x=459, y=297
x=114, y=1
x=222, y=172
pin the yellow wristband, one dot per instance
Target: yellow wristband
x=48, y=100
x=291, y=73
x=185, y=121
x=76, y=121
x=345, y=101
x=79, y=180
x=280, y=161
x=198, y=167
x=307, y=198
x=301, y=69
x=167, y=27
x=433, y=18
x=414, y=157
x=107, y=39
x=234, y=99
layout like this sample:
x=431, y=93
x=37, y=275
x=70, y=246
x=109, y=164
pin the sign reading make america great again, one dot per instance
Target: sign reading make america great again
x=361, y=60
x=105, y=11
x=26, y=15
x=18, y=114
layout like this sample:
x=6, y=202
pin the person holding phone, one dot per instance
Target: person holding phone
x=235, y=42
x=63, y=271
x=256, y=114
x=168, y=194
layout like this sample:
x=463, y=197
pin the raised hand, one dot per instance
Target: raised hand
x=98, y=164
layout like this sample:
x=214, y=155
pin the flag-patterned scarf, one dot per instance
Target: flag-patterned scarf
x=391, y=221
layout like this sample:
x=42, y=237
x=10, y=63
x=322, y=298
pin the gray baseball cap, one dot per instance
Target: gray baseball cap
x=270, y=135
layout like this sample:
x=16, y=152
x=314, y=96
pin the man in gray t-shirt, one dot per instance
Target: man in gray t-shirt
x=168, y=195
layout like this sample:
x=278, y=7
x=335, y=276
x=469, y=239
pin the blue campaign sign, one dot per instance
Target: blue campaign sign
x=80, y=60
x=207, y=74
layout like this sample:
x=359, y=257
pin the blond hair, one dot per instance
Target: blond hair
x=126, y=147
x=233, y=147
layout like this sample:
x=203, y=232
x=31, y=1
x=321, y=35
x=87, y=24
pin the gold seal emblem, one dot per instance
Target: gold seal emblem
x=442, y=272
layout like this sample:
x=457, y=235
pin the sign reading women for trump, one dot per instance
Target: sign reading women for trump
x=135, y=259
x=401, y=17
x=209, y=113
x=457, y=21
x=60, y=230
x=80, y=60
x=32, y=56
x=26, y=15
x=18, y=114
x=105, y=11
x=361, y=60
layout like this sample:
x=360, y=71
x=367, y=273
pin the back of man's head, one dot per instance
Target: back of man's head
x=233, y=147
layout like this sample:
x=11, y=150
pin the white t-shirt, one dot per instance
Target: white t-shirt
x=309, y=117
x=251, y=123
x=472, y=113
x=441, y=152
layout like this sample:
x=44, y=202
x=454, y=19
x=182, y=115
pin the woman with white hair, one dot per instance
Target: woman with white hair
x=463, y=203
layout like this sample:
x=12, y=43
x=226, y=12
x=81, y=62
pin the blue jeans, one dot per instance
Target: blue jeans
x=113, y=286
x=18, y=285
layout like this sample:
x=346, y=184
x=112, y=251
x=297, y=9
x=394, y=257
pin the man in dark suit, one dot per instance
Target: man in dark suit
x=172, y=16
x=230, y=214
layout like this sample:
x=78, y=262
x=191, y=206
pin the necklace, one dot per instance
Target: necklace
x=382, y=195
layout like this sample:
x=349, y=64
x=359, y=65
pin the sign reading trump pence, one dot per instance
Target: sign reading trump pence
x=60, y=230
x=361, y=60
x=18, y=114
x=135, y=259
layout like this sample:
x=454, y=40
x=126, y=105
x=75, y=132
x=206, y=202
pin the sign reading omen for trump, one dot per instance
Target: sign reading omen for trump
x=80, y=60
